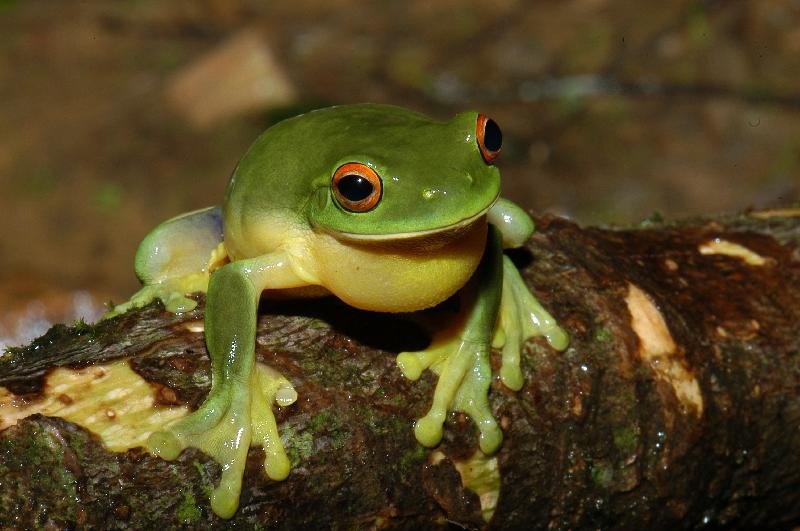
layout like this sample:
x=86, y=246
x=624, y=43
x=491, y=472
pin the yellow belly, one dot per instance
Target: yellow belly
x=398, y=276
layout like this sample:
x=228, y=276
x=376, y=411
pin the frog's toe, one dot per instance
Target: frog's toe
x=165, y=444
x=557, y=338
x=269, y=386
x=177, y=302
x=511, y=377
x=491, y=436
x=277, y=465
x=428, y=429
x=410, y=365
x=510, y=342
x=225, y=497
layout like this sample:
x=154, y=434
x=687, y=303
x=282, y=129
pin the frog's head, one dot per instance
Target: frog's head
x=376, y=185
x=390, y=173
x=372, y=172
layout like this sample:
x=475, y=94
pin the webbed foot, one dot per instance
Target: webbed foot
x=501, y=313
x=225, y=425
x=463, y=385
x=521, y=317
x=172, y=292
x=460, y=356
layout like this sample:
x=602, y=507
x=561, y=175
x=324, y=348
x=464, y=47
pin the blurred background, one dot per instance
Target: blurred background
x=117, y=115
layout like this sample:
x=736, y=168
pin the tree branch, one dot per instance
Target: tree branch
x=677, y=403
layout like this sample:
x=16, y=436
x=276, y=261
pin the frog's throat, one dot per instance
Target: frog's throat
x=377, y=238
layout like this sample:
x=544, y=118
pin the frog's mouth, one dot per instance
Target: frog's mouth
x=447, y=232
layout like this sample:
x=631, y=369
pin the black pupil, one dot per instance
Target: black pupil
x=492, y=136
x=355, y=187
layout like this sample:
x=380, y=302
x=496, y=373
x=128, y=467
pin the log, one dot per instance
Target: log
x=676, y=405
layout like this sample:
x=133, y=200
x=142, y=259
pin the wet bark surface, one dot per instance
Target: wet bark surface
x=697, y=425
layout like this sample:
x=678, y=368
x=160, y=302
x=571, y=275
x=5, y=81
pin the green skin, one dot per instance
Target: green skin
x=438, y=227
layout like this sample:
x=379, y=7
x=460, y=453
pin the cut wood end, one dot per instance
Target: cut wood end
x=658, y=349
x=728, y=248
x=776, y=213
x=480, y=474
x=111, y=401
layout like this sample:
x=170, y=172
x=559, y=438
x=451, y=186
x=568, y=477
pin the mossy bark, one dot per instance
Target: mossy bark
x=690, y=421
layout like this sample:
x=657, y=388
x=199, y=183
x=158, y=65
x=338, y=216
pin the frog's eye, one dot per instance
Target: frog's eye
x=357, y=187
x=490, y=138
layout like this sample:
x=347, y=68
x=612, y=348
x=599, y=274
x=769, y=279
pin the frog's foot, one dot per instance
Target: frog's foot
x=178, y=258
x=521, y=317
x=172, y=292
x=224, y=426
x=463, y=385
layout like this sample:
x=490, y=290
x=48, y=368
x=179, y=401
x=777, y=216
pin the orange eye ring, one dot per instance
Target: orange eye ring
x=356, y=187
x=490, y=138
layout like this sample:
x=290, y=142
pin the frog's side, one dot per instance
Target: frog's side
x=386, y=209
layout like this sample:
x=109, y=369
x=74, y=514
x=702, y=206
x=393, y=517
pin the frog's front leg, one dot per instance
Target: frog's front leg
x=521, y=315
x=176, y=258
x=238, y=408
x=460, y=356
x=501, y=313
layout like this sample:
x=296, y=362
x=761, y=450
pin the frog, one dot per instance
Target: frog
x=383, y=207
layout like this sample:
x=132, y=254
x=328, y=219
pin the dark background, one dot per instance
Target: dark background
x=117, y=115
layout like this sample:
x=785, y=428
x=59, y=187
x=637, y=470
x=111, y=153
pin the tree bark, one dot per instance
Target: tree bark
x=676, y=405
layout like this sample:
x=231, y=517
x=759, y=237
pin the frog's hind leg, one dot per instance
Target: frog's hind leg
x=238, y=410
x=176, y=259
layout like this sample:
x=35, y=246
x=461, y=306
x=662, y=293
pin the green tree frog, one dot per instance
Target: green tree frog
x=384, y=208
